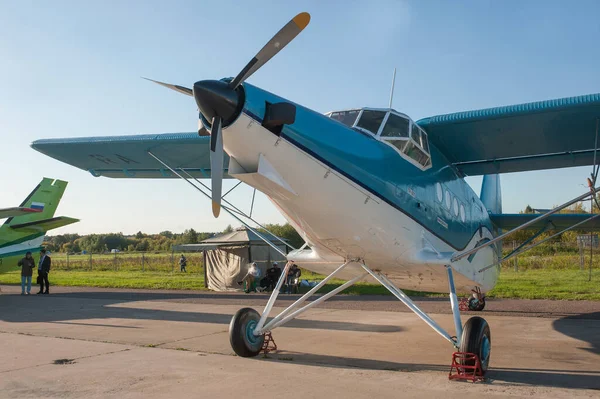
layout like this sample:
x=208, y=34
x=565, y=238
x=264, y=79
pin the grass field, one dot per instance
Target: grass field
x=529, y=284
x=539, y=277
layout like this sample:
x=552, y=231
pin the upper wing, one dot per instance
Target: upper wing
x=128, y=156
x=542, y=135
x=558, y=221
x=17, y=211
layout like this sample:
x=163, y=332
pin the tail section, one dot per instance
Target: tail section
x=20, y=234
x=44, y=198
x=491, y=194
x=491, y=197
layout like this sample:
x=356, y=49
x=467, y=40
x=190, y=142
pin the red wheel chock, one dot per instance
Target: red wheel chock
x=269, y=344
x=471, y=372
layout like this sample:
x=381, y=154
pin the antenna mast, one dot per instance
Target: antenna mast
x=392, y=91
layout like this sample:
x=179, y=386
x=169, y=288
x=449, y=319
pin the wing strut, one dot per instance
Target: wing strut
x=517, y=252
x=233, y=211
x=238, y=211
x=592, y=192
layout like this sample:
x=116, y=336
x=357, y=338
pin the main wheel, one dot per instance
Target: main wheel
x=241, y=333
x=476, y=304
x=476, y=338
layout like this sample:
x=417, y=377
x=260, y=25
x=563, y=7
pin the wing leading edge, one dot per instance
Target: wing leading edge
x=541, y=135
x=128, y=156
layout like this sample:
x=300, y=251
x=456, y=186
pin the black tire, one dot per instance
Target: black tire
x=476, y=338
x=242, y=341
x=476, y=304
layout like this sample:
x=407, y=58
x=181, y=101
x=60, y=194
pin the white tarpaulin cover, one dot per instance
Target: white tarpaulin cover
x=225, y=266
x=227, y=257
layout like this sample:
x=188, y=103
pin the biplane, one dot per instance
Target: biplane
x=375, y=194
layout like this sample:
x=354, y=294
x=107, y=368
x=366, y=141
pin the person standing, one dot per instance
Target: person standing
x=293, y=278
x=43, y=270
x=182, y=264
x=27, y=265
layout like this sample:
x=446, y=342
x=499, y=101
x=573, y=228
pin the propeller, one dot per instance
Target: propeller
x=180, y=89
x=275, y=45
x=220, y=102
x=216, y=164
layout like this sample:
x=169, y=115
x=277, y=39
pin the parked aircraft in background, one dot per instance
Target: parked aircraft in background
x=26, y=226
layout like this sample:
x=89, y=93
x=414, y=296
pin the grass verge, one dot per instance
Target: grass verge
x=566, y=284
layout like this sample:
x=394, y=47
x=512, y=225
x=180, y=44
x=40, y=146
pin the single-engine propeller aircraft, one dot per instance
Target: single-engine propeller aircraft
x=26, y=226
x=375, y=194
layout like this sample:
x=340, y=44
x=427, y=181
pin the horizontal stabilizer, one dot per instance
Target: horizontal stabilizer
x=128, y=156
x=17, y=211
x=559, y=221
x=44, y=225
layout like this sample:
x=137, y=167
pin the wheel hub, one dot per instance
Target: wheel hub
x=486, y=347
x=250, y=327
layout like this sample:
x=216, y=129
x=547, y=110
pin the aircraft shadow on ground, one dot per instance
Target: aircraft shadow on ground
x=571, y=326
x=61, y=309
x=194, y=295
x=537, y=377
x=68, y=309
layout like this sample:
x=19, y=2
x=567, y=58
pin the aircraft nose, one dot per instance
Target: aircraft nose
x=216, y=98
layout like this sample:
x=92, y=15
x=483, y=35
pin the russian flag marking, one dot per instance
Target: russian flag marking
x=37, y=205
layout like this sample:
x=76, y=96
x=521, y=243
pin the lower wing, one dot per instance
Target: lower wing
x=134, y=156
x=558, y=221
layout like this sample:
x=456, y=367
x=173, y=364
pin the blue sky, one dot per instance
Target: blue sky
x=73, y=68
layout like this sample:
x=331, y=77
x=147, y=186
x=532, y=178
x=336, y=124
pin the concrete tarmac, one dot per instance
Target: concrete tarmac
x=94, y=343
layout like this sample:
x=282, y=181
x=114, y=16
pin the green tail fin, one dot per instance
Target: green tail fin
x=45, y=196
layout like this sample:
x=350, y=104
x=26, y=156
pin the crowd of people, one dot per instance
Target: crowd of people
x=27, y=265
x=253, y=282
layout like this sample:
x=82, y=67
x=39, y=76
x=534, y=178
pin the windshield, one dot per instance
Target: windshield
x=371, y=120
x=346, y=117
x=396, y=126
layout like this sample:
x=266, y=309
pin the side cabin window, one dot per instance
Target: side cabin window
x=392, y=128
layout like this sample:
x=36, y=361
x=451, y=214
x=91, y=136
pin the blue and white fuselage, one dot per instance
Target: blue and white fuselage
x=364, y=184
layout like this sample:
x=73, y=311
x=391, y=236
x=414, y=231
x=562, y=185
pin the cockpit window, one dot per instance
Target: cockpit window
x=416, y=153
x=396, y=126
x=346, y=117
x=399, y=132
x=419, y=136
x=408, y=138
x=371, y=120
x=424, y=142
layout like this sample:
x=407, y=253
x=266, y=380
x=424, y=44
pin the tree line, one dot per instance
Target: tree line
x=163, y=241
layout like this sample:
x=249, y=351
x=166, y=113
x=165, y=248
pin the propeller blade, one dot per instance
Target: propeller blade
x=180, y=89
x=274, y=46
x=216, y=164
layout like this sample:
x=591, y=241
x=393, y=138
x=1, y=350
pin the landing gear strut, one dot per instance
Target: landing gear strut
x=247, y=329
